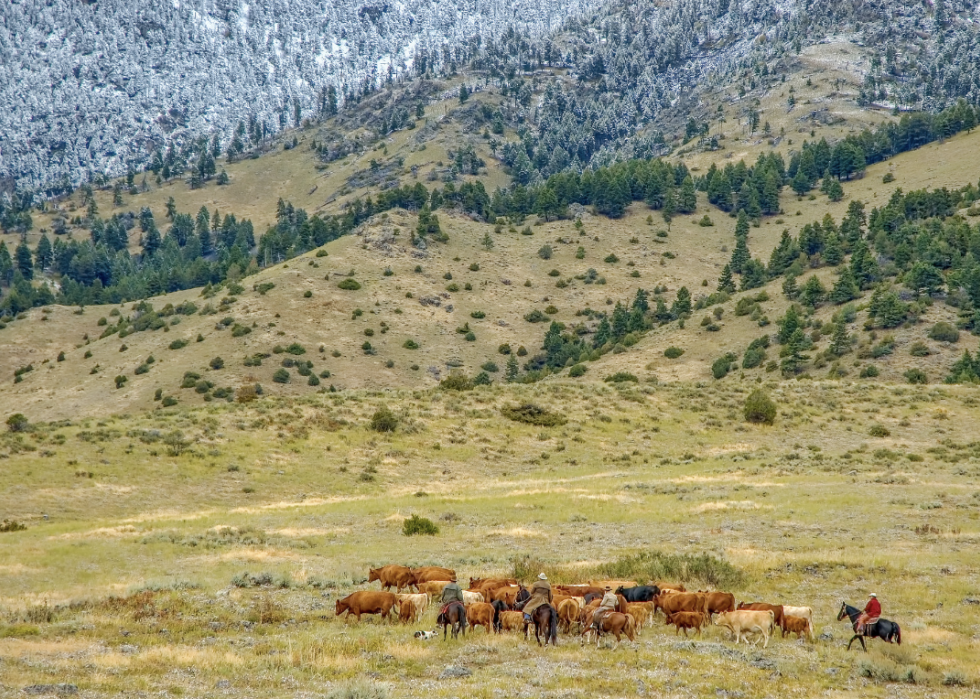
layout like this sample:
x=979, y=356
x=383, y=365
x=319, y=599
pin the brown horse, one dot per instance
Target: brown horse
x=455, y=617
x=613, y=623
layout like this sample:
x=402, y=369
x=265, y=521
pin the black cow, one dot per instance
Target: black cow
x=640, y=593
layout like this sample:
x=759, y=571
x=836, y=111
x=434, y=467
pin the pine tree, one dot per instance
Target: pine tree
x=845, y=289
x=753, y=275
x=640, y=301
x=151, y=241
x=487, y=242
x=669, y=207
x=840, y=343
x=687, y=201
x=794, y=359
x=682, y=305
x=813, y=292
x=788, y=324
x=464, y=93
x=6, y=263
x=43, y=255
x=740, y=256
x=620, y=320
x=661, y=313
x=602, y=333
x=511, y=372
x=24, y=261
x=790, y=289
x=725, y=281
x=742, y=225
x=171, y=208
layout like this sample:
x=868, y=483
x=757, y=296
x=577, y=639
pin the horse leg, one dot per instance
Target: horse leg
x=865, y=647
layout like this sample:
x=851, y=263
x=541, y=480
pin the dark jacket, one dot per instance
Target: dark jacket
x=452, y=593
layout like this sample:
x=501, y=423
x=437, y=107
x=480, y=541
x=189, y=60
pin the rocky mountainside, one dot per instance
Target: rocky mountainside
x=93, y=87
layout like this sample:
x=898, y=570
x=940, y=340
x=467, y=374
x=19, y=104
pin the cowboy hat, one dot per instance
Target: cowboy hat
x=873, y=595
x=542, y=576
x=609, y=588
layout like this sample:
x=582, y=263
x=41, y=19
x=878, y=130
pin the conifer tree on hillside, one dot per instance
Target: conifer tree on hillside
x=43, y=255
x=725, y=281
x=24, y=261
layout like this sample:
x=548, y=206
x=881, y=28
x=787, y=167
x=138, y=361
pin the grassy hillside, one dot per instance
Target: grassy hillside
x=510, y=281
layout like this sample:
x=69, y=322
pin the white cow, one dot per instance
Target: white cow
x=744, y=622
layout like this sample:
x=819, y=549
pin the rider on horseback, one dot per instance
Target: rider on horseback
x=608, y=604
x=452, y=593
x=871, y=613
x=540, y=595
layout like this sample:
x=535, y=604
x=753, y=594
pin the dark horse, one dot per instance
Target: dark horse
x=455, y=617
x=883, y=629
x=545, y=620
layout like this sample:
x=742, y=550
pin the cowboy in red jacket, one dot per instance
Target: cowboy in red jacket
x=870, y=614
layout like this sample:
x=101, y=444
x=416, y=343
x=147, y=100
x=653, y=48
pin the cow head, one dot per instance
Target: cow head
x=620, y=590
x=374, y=574
x=722, y=619
x=342, y=606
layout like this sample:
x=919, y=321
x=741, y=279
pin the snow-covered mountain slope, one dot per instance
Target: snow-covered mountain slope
x=92, y=85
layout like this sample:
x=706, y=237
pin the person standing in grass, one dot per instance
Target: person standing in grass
x=871, y=613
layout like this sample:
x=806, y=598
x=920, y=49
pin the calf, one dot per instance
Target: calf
x=568, y=613
x=420, y=603
x=803, y=613
x=640, y=613
x=511, y=621
x=797, y=625
x=406, y=611
x=746, y=621
x=687, y=620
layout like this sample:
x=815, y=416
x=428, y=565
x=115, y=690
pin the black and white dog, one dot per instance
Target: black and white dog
x=425, y=635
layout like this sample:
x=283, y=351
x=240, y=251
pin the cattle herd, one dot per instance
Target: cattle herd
x=495, y=603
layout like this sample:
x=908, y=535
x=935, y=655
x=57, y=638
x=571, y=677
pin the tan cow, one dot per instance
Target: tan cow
x=420, y=603
x=433, y=589
x=406, y=611
x=568, y=613
x=470, y=597
x=744, y=622
x=797, y=625
x=480, y=614
x=640, y=613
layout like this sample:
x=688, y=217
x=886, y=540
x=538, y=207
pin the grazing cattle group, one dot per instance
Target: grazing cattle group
x=495, y=604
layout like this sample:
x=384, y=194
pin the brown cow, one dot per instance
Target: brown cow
x=776, y=609
x=406, y=614
x=512, y=621
x=797, y=625
x=506, y=594
x=488, y=586
x=687, y=620
x=392, y=576
x=480, y=614
x=431, y=574
x=612, y=623
x=640, y=612
x=433, y=589
x=579, y=590
x=717, y=602
x=367, y=602
x=680, y=602
x=420, y=602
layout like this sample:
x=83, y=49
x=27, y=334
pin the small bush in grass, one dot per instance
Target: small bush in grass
x=349, y=284
x=190, y=379
x=264, y=287
x=705, y=221
x=452, y=287
x=240, y=330
x=504, y=348
x=479, y=315
x=490, y=366
x=178, y=344
x=482, y=379
x=158, y=394
x=18, y=422
x=61, y=356
x=474, y=267
x=611, y=259
x=673, y=352
x=621, y=377
x=296, y=349
x=307, y=294
x=415, y=525
x=321, y=253
x=657, y=565
x=536, y=316
x=367, y=348
x=721, y=366
x=281, y=376
x=916, y=376
x=411, y=345
x=545, y=252
x=551, y=310
x=169, y=401
x=384, y=420
x=121, y=381
x=246, y=394
x=869, y=372
x=531, y=414
x=554, y=273
x=577, y=370
x=142, y=369
x=944, y=332
x=522, y=351
x=955, y=678
x=879, y=431
x=470, y=336
x=456, y=381
x=919, y=349
x=217, y=363
x=760, y=408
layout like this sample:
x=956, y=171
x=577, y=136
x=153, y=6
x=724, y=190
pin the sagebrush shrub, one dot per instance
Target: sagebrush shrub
x=760, y=408
x=415, y=525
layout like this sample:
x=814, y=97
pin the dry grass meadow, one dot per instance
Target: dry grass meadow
x=123, y=580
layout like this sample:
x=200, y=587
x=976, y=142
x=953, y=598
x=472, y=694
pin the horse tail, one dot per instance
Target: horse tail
x=898, y=633
x=553, y=627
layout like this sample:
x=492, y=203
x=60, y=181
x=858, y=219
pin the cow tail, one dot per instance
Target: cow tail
x=898, y=633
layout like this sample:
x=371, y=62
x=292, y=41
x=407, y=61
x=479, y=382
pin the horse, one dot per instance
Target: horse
x=498, y=606
x=455, y=617
x=545, y=620
x=613, y=623
x=883, y=629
